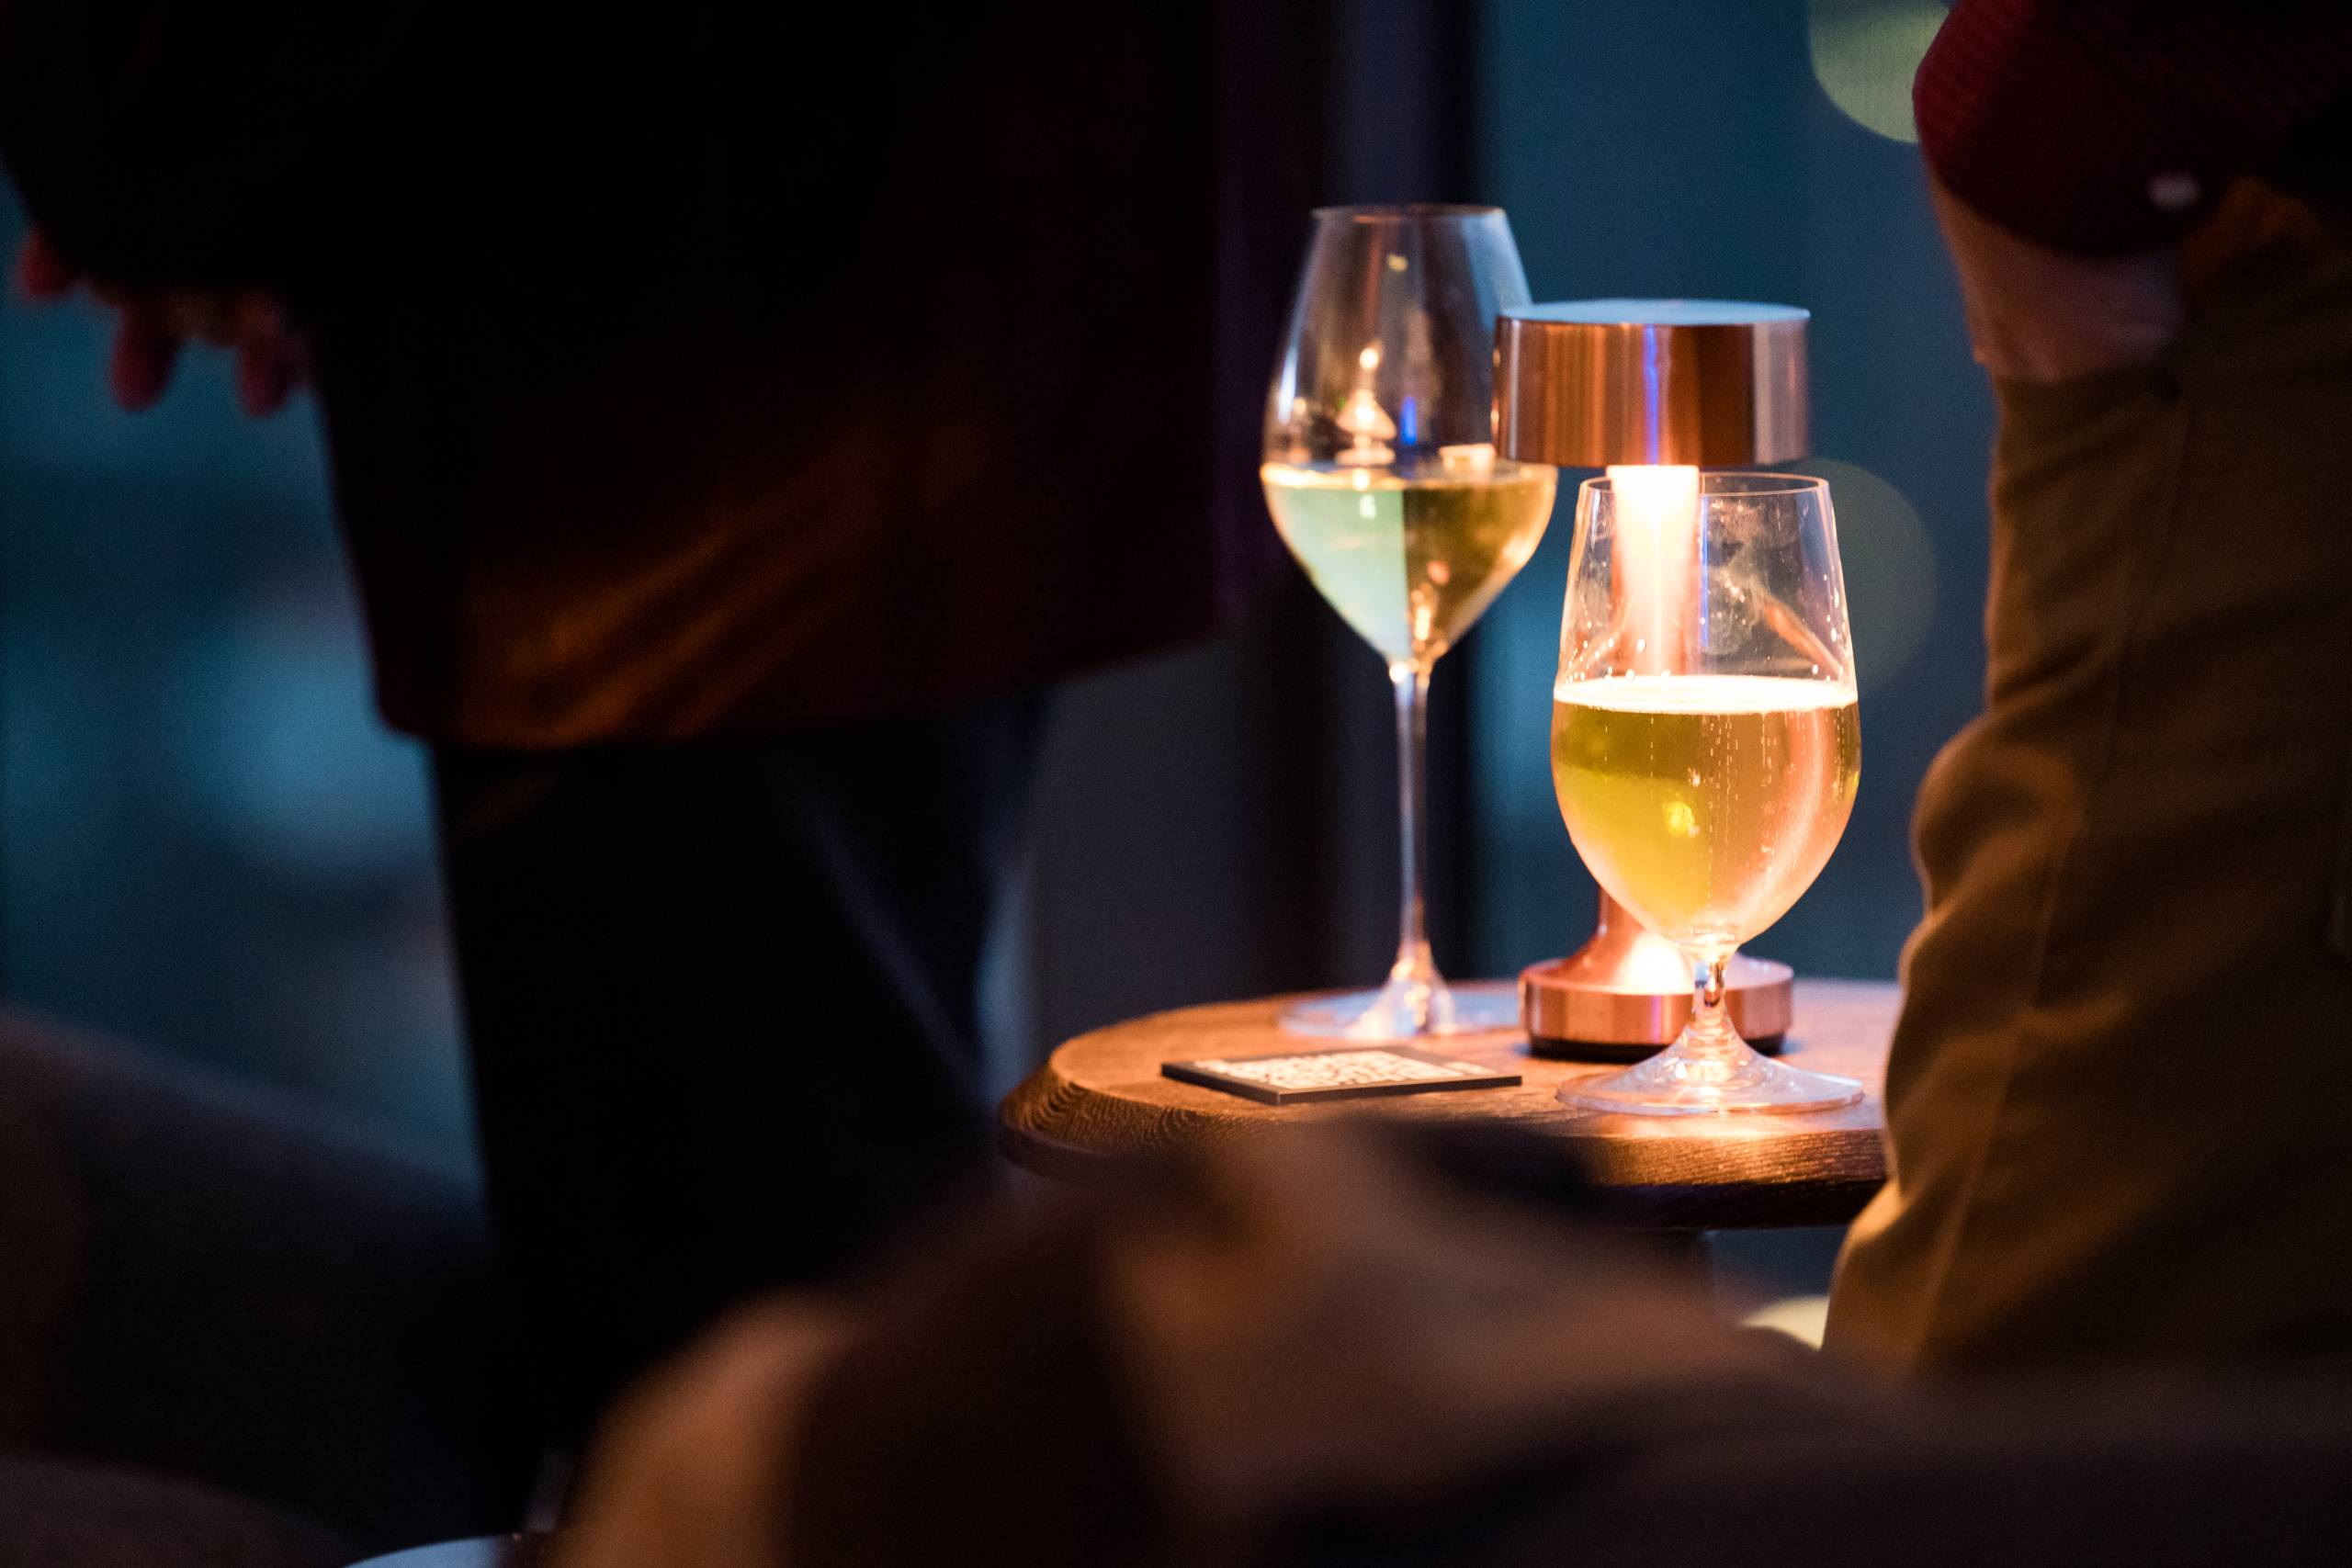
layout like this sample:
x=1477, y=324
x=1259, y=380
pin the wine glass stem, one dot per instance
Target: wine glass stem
x=1413, y=966
x=1710, y=1033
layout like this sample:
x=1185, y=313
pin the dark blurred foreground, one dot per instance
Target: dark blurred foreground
x=1310, y=1351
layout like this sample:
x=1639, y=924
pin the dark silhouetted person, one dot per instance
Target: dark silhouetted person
x=2116, y=1130
x=736, y=422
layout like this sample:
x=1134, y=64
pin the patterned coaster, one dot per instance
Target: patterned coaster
x=1354, y=1072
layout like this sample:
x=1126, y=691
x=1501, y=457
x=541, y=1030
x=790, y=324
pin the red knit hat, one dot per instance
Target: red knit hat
x=2106, y=126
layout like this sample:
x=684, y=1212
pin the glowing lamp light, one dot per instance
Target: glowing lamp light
x=1369, y=428
x=1657, y=546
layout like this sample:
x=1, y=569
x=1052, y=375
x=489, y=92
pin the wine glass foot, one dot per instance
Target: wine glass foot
x=1676, y=1083
x=1407, y=1012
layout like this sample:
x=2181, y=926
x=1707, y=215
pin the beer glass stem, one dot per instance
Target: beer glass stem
x=1709, y=1036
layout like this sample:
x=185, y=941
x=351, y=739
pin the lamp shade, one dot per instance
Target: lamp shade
x=1585, y=383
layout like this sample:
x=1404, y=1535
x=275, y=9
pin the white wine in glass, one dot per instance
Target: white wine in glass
x=1411, y=563
x=1380, y=472
x=1706, y=745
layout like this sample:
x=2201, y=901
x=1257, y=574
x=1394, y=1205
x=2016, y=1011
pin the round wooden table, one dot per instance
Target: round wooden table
x=1101, y=1100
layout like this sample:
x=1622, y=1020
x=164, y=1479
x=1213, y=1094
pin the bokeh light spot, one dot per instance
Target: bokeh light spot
x=1890, y=568
x=1865, y=53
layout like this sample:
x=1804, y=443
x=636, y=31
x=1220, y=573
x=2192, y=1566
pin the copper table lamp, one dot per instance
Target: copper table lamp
x=1623, y=384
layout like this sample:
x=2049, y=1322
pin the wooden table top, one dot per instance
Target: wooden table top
x=1101, y=1100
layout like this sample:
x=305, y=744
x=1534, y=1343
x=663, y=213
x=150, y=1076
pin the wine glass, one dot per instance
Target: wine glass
x=1706, y=747
x=1381, y=474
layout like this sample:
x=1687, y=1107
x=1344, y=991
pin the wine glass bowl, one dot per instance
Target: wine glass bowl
x=1381, y=475
x=1706, y=743
x=1411, y=559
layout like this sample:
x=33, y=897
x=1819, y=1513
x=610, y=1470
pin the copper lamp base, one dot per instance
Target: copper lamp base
x=1626, y=994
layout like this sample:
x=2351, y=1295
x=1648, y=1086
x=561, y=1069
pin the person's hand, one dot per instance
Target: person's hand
x=2036, y=314
x=153, y=325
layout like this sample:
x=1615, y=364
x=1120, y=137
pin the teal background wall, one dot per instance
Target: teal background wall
x=208, y=843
